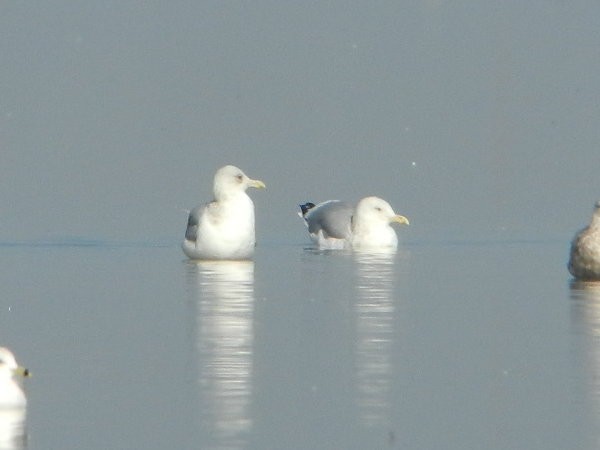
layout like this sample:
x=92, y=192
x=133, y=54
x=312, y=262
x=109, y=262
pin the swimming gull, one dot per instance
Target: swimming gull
x=11, y=394
x=335, y=224
x=584, y=260
x=223, y=228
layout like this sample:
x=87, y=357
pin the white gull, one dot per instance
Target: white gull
x=334, y=224
x=223, y=228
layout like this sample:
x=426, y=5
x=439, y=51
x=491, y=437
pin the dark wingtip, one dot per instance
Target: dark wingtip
x=306, y=207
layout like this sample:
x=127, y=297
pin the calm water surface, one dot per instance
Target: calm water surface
x=442, y=345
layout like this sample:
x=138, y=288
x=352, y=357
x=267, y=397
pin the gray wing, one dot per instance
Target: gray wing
x=191, y=232
x=332, y=217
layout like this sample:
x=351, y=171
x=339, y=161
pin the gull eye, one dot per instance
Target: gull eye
x=239, y=177
x=377, y=208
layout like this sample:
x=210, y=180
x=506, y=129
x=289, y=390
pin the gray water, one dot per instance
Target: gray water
x=476, y=120
x=443, y=345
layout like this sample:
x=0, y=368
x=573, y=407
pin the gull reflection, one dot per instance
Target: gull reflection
x=374, y=310
x=223, y=299
x=12, y=429
x=585, y=305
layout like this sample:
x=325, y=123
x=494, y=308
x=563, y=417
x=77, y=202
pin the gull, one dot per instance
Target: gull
x=335, y=224
x=584, y=259
x=11, y=394
x=224, y=227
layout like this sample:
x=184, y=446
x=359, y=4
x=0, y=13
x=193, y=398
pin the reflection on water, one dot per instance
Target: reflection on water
x=223, y=297
x=585, y=304
x=12, y=429
x=375, y=314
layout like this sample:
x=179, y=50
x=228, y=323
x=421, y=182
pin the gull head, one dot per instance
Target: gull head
x=230, y=180
x=9, y=366
x=374, y=211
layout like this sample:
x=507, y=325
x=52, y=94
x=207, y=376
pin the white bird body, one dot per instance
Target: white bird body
x=584, y=259
x=223, y=228
x=11, y=394
x=337, y=225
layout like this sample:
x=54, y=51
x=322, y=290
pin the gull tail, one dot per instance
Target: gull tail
x=306, y=207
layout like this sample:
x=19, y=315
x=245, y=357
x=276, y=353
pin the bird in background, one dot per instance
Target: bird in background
x=11, y=392
x=584, y=258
